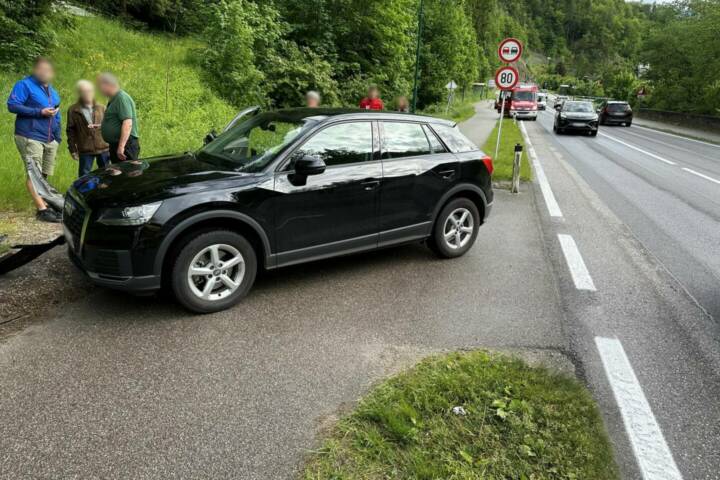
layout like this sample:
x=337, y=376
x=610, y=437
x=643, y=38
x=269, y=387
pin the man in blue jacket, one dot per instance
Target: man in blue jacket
x=37, y=127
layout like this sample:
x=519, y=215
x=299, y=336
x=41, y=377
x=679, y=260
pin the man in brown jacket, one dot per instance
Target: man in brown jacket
x=83, y=130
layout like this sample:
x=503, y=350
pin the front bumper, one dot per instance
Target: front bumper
x=112, y=269
x=524, y=113
x=579, y=125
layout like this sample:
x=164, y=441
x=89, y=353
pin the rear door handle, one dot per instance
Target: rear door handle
x=447, y=174
x=371, y=185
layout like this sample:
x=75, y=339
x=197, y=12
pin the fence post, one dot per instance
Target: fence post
x=516, y=169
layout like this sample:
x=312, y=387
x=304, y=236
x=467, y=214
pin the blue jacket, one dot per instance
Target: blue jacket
x=27, y=99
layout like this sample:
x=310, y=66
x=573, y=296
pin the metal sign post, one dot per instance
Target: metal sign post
x=451, y=86
x=505, y=79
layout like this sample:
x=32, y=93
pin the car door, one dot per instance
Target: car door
x=336, y=211
x=417, y=170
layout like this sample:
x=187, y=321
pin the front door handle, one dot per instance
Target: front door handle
x=370, y=185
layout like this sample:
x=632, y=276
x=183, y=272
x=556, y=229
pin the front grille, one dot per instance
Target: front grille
x=74, y=219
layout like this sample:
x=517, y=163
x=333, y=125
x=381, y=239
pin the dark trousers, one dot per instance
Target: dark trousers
x=85, y=162
x=132, y=150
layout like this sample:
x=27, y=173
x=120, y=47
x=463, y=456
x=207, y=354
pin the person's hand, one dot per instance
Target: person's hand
x=75, y=156
x=121, y=154
x=48, y=112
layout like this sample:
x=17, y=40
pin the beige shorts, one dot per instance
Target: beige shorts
x=42, y=153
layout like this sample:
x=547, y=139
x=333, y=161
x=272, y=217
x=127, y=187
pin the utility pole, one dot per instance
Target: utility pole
x=417, y=55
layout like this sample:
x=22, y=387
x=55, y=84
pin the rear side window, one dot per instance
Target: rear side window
x=454, y=139
x=341, y=144
x=618, y=107
x=435, y=144
x=404, y=140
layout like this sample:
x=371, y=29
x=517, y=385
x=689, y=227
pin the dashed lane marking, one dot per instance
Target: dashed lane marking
x=651, y=451
x=701, y=175
x=678, y=136
x=575, y=263
x=656, y=157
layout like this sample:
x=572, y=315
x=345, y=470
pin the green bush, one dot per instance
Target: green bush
x=23, y=31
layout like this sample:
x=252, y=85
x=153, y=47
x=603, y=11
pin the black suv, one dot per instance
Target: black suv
x=576, y=116
x=276, y=189
x=615, y=113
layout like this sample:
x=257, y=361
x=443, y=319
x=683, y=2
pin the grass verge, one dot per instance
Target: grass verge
x=504, y=161
x=459, y=111
x=175, y=108
x=521, y=422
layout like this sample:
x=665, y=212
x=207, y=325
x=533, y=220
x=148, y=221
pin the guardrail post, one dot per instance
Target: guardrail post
x=515, y=188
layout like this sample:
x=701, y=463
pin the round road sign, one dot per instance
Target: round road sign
x=510, y=50
x=506, y=78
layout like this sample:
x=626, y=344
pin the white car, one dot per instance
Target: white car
x=542, y=100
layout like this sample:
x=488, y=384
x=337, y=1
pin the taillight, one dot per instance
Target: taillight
x=488, y=164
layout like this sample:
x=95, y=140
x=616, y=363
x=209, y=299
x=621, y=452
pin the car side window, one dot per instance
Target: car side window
x=340, y=144
x=454, y=139
x=403, y=139
x=435, y=144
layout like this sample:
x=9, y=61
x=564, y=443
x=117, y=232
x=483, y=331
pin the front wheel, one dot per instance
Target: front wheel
x=214, y=271
x=456, y=228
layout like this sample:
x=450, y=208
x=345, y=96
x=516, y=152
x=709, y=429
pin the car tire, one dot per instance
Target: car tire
x=594, y=134
x=205, y=254
x=460, y=212
x=628, y=124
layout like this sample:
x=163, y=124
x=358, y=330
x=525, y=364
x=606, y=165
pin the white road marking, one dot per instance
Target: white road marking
x=575, y=263
x=678, y=136
x=651, y=451
x=702, y=175
x=639, y=149
x=547, y=193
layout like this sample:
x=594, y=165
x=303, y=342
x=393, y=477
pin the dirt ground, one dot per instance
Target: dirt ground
x=38, y=288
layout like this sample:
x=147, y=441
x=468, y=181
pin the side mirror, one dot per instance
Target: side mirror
x=309, y=165
x=558, y=107
x=210, y=137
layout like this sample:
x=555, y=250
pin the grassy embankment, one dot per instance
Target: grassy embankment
x=520, y=422
x=503, y=162
x=175, y=108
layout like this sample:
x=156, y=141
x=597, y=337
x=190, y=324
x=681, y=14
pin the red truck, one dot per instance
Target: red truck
x=520, y=102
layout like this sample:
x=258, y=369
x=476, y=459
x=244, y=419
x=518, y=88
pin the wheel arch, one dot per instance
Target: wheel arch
x=466, y=190
x=220, y=219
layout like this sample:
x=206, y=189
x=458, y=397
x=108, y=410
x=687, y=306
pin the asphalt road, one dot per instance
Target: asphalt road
x=119, y=387
x=648, y=233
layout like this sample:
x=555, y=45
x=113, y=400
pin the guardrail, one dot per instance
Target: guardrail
x=701, y=122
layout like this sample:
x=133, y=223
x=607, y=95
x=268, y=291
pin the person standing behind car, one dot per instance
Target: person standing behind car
x=37, y=127
x=85, y=141
x=119, y=127
x=372, y=101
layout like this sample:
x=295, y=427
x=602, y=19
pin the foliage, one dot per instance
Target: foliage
x=24, y=32
x=175, y=108
x=503, y=162
x=520, y=422
x=683, y=54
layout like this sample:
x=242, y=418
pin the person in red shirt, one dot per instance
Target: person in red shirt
x=372, y=101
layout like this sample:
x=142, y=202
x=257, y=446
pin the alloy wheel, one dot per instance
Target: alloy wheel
x=216, y=272
x=458, y=228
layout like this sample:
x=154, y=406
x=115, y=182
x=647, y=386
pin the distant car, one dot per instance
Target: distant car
x=542, y=101
x=276, y=189
x=576, y=116
x=615, y=113
x=559, y=100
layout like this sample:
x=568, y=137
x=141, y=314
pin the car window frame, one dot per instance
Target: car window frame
x=284, y=163
x=447, y=147
x=381, y=128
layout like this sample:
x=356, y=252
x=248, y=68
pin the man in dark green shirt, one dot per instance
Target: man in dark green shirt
x=119, y=127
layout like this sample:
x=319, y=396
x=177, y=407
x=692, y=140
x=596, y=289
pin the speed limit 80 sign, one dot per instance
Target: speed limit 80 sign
x=506, y=78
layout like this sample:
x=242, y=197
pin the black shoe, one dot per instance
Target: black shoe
x=48, y=215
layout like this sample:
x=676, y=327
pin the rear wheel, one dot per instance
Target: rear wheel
x=456, y=228
x=213, y=271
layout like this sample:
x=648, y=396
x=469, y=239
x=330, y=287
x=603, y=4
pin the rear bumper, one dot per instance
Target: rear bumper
x=117, y=276
x=616, y=120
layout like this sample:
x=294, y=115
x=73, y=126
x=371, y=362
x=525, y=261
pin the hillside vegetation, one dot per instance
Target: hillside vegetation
x=175, y=108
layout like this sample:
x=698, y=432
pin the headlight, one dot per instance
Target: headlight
x=563, y=116
x=126, y=216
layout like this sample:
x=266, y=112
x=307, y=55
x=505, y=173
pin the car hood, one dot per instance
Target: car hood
x=580, y=115
x=154, y=179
